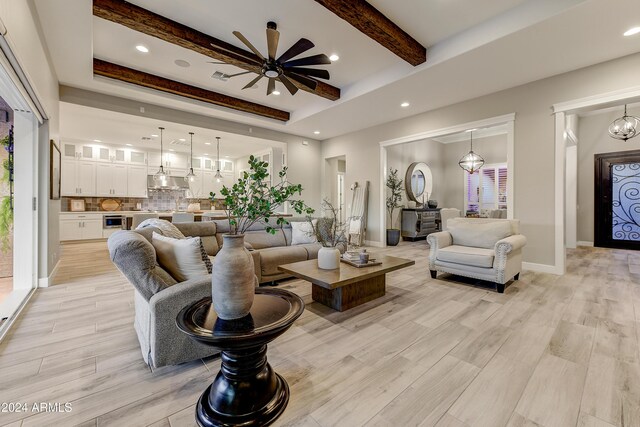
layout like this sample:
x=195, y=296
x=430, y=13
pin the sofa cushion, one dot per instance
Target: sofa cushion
x=312, y=249
x=478, y=234
x=205, y=230
x=262, y=239
x=182, y=258
x=303, y=232
x=467, y=255
x=271, y=258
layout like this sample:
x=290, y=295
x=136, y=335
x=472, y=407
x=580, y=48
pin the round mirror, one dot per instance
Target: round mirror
x=418, y=182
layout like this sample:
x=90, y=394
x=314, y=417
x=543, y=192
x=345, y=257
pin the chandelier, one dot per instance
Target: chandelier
x=471, y=162
x=625, y=127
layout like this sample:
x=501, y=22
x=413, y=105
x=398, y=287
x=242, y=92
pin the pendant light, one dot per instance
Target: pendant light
x=191, y=176
x=625, y=127
x=218, y=175
x=161, y=175
x=471, y=162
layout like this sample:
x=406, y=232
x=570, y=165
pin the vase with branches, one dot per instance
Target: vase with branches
x=394, y=184
x=331, y=233
x=250, y=200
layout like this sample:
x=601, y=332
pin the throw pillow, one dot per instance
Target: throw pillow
x=303, y=232
x=165, y=227
x=478, y=234
x=182, y=258
x=205, y=257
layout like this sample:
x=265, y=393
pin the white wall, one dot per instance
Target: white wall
x=534, y=143
x=27, y=44
x=594, y=139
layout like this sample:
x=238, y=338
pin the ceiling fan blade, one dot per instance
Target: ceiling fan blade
x=314, y=72
x=238, y=74
x=271, y=87
x=272, y=42
x=306, y=81
x=253, y=82
x=309, y=60
x=288, y=84
x=247, y=43
x=301, y=46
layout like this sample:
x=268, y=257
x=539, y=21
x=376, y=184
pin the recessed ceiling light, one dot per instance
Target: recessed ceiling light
x=142, y=48
x=317, y=132
x=182, y=63
x=129, y=145
x=207, y=143
x=206, y=154
x=471, y=130
x=334, y=57
x=171, y=149
x=632, y=31
x=405, y=104
x=182, y=140
x=276, y=92
x=154, y=135
x=96, y=140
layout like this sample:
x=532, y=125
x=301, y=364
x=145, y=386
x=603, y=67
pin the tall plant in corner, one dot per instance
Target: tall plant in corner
x=394, y=184
x=250, y=200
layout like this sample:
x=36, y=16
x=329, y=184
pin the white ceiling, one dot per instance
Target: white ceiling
x=475, y=48
x=86, y=125
x=477, y=134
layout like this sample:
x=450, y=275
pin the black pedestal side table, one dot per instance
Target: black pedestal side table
x=246, y=391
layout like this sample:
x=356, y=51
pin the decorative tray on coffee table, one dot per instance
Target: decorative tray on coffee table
x=359, y=264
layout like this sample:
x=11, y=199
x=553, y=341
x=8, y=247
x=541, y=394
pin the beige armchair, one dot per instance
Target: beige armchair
x=481, y=248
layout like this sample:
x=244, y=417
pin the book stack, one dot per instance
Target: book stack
x=352, y=256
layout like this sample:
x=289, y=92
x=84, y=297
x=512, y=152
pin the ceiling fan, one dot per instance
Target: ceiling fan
x=284, y=68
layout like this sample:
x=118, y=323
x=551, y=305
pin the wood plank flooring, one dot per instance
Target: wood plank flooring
x=550, y=351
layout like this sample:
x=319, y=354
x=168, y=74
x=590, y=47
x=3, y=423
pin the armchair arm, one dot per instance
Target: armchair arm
x=168, y=345
x=510, y=244
x=437, y=241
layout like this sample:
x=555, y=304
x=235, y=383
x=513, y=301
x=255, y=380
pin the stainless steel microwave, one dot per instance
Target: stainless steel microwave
x=114, y=221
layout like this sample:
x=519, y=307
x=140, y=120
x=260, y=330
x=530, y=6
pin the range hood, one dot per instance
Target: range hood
x=170, y=183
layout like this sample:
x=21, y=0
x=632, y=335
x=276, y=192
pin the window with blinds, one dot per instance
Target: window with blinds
x=486, y=189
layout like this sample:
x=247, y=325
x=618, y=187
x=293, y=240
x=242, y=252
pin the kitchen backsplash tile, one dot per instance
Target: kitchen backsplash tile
x=157, y=201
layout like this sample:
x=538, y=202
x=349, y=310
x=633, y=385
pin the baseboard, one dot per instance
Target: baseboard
x=541, y=268
x=45, y=282
x=584, y=243
x=374, y=244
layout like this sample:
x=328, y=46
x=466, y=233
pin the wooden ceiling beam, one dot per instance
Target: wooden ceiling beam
x=152, y=24
x=375, y=25
x=140, y=78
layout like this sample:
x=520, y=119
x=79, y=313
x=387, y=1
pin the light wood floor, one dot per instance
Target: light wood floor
x=551, y=351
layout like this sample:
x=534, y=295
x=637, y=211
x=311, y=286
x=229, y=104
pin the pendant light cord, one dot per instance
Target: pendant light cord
x=191, y=160
x=161, y=152
x=218, y=149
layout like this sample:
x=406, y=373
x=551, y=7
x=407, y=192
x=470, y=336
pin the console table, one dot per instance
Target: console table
x=246, y=391
x=418, y=223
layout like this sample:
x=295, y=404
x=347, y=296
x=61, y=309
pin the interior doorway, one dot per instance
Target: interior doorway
x=617, y=195
x=334, y=175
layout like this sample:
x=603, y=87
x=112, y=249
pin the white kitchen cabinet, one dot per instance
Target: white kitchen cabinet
x=79, y=151
x=111, y=180
x=107, y=154
x=195, y=187
x=80, y=227
x=137, y=181
x=78, y=178
x=137, y=157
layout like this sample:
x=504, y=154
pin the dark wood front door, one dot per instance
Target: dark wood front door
x=617, y=200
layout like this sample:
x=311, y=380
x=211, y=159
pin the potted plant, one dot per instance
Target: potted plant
x=249, y=200
x=331, y=234
x=394, y=184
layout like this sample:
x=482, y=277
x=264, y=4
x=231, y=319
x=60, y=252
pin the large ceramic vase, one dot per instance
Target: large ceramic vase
x=233, y=279
x=393, y=237
x=328, y=258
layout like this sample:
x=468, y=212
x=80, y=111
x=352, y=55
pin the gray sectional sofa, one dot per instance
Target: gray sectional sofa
x=159, y=297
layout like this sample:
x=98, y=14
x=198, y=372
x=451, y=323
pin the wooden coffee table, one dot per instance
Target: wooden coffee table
x=348, y=286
